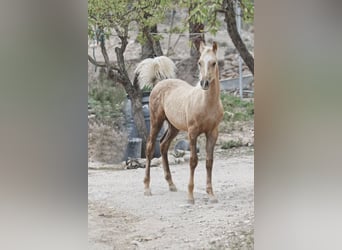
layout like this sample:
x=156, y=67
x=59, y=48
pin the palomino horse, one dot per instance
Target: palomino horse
x=196, y=110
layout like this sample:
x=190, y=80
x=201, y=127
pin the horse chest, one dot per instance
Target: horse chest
x=205, y=120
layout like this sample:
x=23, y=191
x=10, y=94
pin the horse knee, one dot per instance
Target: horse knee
x=167, y=176
x=146, y=180
x=164, y=148
x=209, y=163
x=193, y=161
x=149, y=148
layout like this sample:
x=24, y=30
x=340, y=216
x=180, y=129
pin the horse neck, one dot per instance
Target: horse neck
x=212, y=95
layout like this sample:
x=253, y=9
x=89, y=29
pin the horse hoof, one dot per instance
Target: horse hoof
x=148, y=192
x=173, y=188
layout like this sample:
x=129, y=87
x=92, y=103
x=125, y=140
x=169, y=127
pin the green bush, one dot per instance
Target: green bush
x=232, y=144
x=106, y=102
x=236, y=109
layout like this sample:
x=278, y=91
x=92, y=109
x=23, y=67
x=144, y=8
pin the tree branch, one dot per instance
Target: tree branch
x=97, y=64
x=133, y=91
x=230, y=20
x=105, y=55
x=102, y=64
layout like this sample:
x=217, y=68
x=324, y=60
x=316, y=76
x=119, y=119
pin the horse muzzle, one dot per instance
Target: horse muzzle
x=204, y=84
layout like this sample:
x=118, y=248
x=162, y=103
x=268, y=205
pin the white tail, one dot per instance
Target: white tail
x=152, y=70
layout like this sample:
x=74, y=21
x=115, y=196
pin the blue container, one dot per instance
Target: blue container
x=132, y=129
x=133, y=150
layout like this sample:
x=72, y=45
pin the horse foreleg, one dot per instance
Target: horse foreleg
x=211, y=140
x=164, y=147
x=193, y=165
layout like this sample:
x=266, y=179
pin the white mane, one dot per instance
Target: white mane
x=152, y=70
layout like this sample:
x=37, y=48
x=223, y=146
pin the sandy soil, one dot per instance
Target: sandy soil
x=121, y=217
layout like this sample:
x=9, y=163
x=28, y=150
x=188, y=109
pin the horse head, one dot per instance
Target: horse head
x=207, y=64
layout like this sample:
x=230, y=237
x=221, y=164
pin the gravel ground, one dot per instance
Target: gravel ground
x=121, y=217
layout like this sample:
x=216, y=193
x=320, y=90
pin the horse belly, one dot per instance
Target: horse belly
x=177, y=118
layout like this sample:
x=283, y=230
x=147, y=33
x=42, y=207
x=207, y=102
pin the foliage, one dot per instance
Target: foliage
x=205, y=12
x=147, y=88
x=111, y=14
x=232, y=144
x=236, y=109
x=247, y=9
x=118, y=15
x=106, y=103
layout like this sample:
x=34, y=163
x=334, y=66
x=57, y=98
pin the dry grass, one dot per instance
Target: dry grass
x=105, y=144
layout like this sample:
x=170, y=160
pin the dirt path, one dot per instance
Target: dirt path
x=121, y=217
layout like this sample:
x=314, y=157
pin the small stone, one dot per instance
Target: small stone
x=231, y=56
x=235, y=63
x=186, y=157
x=142, y=161
x=185, y=205
x=156, y=161
x=180, y=160
x=134, y=242
x=172, y=159
x=123, y=164
x=214, y=240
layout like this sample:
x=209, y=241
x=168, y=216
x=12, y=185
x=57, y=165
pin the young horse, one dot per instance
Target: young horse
x=196, y=110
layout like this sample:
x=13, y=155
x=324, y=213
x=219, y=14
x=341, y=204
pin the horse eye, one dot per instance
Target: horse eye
x=199, y=63
x=214, y=63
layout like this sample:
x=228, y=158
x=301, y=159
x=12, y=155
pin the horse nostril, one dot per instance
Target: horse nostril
x=204, y=83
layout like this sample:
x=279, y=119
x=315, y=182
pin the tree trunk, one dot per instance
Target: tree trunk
x=134, y=92
x=138, y=115
x=235, y=36
x=147, y=51
x=196, y=35
x=151, y=48
x=119, y=74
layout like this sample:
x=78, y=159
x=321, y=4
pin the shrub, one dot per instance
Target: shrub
x=232, y=144
x=236, y=109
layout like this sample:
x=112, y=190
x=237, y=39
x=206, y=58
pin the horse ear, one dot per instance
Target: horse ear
x=201, y=47
x=214, y=47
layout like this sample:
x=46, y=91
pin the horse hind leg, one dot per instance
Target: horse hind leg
x=169, y=135
x=154, y=129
